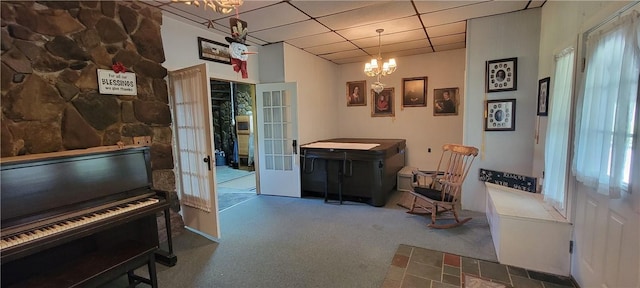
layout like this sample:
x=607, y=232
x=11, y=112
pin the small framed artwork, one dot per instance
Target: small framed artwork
x=382, y=103
x=445, y=101
x=501, y=115
x=543, y=96
x=213, y=51
x=502, y=75
x=356, y=93
x=414, y=92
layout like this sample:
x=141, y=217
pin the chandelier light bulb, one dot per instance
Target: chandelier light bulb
x=377, y=87
x=374, y=69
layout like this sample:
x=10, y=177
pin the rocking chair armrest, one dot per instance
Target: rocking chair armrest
x=451, y=184
x=426, y=174
x=423, y=179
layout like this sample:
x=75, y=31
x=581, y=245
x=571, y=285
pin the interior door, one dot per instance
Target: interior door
x=191, y=105
x=277, y=123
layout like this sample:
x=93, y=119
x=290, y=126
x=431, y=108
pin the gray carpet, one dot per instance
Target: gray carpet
x=289, y=242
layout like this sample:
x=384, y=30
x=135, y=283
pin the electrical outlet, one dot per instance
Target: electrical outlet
x=142, y=140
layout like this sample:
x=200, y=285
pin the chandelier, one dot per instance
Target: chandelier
x=220, y=6
x=374, y=68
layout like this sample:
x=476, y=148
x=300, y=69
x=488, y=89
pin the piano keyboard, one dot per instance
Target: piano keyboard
x=71, y=223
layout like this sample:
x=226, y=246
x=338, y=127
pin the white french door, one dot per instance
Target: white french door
x=191, y=105
x=277, y=121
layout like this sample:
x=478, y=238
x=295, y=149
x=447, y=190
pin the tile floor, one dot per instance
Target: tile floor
x=234, y=186
x=418, y=267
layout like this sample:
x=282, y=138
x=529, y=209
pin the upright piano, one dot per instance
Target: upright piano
x=78, y=220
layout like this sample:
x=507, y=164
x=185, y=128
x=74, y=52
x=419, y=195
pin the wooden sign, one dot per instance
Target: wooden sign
x=524, y=183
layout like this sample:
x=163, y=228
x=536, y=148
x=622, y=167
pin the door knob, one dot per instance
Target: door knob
x=208, y=161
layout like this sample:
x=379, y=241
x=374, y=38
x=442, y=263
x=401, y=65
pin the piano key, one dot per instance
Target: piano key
x=24, y=237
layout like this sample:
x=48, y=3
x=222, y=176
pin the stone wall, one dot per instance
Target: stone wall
x=243, y=99
x=51, y=51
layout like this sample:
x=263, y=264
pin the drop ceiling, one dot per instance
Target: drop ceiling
x=345, y=31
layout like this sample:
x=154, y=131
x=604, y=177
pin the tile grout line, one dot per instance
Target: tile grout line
x=404, y=273
x=510, y=276
x=441, y=270
x=460, y=272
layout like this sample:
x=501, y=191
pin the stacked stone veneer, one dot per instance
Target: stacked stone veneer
x=51, y=51
x=243, y=99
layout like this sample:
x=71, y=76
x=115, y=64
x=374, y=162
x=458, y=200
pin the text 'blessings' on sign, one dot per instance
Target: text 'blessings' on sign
x=110, y=82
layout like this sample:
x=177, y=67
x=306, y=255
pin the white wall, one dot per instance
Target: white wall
x=417, y=125
x=490, y=38
x=272, y=63
x=316, y=78
x=180, y=42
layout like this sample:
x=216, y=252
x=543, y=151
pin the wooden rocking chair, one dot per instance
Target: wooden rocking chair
x=438, y=192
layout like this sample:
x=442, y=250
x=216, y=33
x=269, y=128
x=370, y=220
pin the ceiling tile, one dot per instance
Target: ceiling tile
x=345, y=54
x=368, y=15
x=255, y=41
x=388, y=50
x=184, y=15
x=341, y=29
x=434, y=6
x=315, y=40
x=536, y=4
x=268, y=17
x=452, y=46
x=331, y=48
x=320, y=8
x=447, y=29
x=352, y=60
x=391, y=38
x=290, y=31
x=394, y=26
x=471, y=11
x=456, y=38
x=410, y=52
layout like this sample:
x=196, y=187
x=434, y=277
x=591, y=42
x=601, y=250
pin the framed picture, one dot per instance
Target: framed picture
x=213, y=51
x=445, y=101
x=543, y=96
x=414, y=92
x=501, y=115
x=356, y=93
x=382, y=103
x=502, y=75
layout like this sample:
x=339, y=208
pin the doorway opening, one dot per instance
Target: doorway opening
x=233, y=109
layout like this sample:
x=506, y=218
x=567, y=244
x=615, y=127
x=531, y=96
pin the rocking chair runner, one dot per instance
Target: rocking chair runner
x=439, y=192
